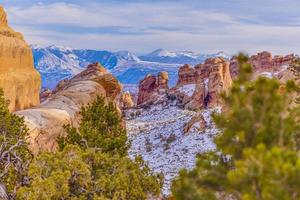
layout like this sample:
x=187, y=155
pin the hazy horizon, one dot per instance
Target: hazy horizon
x=142, y=26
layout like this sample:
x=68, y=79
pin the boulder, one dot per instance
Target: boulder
x=19, y=80
x=45, y=122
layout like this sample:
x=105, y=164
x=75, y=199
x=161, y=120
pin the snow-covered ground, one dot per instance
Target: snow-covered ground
x=157, y=135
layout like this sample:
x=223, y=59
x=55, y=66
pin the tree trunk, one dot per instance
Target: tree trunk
x=3, y=194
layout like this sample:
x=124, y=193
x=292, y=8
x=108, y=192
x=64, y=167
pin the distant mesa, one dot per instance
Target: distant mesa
x=19, y=80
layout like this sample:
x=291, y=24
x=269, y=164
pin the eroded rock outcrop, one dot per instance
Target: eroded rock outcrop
x=186, y=75
x=200, y=86
x=210, y=79
x=197, y=87
x=264, y=63
x=46, y=121
x=151, y=87
x=21, y=83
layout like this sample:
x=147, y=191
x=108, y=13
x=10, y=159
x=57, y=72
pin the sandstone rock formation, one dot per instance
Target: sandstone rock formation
x=197, y=87
x=126, y=101
x=46, y=121
x=263, y=62
x=186, y=75
x=19, y=80
x=152, y=86
x=210, y=79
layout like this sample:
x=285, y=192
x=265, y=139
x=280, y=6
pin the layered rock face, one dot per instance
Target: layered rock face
x=199, y=87
x=45, y=122
x=186, y=75
x=19, y=80
x=152, y=85
x=210, y=79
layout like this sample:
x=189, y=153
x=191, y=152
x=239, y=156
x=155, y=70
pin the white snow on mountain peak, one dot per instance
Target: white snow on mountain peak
x=161, y=53
x=127, y=56
x=60, y=48
x=59, y=62
x=166, y=53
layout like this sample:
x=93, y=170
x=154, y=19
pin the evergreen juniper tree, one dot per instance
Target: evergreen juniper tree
x=257, y=149
x=14, y=153
x=92, y=163
x=101, y=128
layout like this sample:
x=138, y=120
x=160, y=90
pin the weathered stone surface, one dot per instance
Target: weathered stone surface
x=212, y=78
x=151, y=87
x=19, y=80
x=46, y=121
x=262, y=60
x=146, y=88
x=219, y=81
x=186, y=75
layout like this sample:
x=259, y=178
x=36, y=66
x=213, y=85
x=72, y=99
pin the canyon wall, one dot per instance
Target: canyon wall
x=19, y=80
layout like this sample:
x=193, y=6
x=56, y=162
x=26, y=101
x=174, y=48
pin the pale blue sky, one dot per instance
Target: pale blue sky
x=142, y=25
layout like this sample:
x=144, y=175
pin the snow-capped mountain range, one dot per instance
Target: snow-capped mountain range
x=56, y=63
